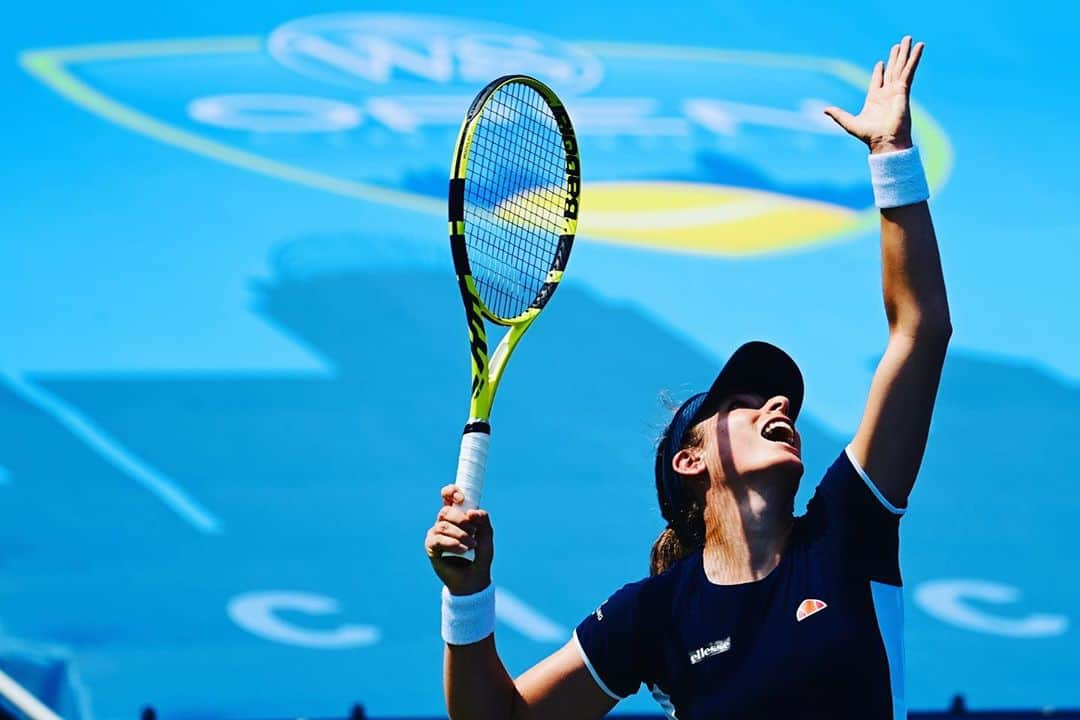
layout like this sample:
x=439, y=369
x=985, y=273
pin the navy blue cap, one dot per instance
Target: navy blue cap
x=756, y=367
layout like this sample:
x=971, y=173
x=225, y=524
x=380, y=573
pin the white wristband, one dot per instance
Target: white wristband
x=898, y=178
x=468, y=618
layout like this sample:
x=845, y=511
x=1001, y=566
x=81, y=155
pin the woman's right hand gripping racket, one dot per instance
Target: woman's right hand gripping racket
x=514, y=186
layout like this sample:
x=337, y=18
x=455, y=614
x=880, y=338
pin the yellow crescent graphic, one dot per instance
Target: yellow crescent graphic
x=707, y=218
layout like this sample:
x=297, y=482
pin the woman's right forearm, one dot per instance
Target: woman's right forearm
x=477, y=685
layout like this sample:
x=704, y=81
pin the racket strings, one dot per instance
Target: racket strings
x=518, y=259
x=515, y=190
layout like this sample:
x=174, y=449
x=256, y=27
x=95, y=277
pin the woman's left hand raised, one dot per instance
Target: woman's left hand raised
x=884, y=123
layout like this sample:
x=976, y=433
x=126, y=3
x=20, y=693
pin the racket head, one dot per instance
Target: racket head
x=514, y=196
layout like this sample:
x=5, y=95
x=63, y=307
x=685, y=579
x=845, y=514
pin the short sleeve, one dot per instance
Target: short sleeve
x=612, y=644
x=857, y=521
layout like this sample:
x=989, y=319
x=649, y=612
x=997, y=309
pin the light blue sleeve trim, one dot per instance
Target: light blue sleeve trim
x=870, y=484
x=592, y=670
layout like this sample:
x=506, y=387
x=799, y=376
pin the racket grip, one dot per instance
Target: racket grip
x=472, y=461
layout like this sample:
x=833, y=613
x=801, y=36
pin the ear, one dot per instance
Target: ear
x=688, y=461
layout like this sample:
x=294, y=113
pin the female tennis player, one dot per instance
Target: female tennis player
x=750, y=612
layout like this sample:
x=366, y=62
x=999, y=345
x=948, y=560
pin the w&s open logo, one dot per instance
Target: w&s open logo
x=685, y=149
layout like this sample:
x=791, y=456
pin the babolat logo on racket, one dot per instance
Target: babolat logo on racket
x=688, y=149
x=713, y=648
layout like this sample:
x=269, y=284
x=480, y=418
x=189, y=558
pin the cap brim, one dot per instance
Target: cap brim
x=760, y=368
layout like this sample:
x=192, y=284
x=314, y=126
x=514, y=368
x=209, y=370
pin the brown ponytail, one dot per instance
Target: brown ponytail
x=674, y=544
x=685, y=531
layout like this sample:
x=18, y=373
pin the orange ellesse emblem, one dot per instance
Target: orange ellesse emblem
x=808, y=607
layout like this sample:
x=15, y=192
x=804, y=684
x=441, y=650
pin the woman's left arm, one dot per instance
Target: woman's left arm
x=891, y=437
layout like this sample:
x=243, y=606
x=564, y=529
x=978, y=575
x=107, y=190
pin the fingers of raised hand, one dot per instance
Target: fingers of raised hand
x=902, y=56
x=890, y=66
x=913, y=63
x=903, y=61
x=878, y=77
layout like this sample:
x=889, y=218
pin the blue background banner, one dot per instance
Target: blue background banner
x=233, y=362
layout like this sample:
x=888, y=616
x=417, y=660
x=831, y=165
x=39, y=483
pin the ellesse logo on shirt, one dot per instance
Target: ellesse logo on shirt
x=713, y=648
x=808, y=607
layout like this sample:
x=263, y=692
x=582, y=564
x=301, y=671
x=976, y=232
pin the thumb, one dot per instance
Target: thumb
x=841, y=117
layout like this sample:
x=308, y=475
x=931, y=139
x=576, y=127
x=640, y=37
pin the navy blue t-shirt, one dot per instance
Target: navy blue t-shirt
x=819, y=637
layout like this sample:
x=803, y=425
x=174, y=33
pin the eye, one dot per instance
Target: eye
x=745, y=401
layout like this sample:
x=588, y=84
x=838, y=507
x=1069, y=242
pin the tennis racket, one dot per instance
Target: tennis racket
x=514, y=185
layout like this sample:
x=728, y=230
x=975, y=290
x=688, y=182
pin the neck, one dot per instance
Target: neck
x=746, y=530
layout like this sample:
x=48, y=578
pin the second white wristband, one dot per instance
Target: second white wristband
x=898, y=178
x=468, y=618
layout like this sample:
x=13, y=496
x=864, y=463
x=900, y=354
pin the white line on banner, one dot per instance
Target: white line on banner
x=24, y=701
x=526, y=620
x=165, y=489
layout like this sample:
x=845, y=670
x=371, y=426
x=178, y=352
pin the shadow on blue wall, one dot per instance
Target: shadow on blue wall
x=313, y=476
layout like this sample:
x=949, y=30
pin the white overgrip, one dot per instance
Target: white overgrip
x=472, y=461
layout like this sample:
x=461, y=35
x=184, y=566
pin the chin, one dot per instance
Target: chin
x=780, y=462
x=792, y=470
x=782, y=471
x=791, y=461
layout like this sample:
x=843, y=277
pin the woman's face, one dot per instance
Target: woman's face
x=753, y=434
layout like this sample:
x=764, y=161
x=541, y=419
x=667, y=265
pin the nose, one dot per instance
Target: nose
x=778, y=403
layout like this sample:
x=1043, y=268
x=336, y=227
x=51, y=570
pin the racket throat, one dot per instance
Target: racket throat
x=498, y=361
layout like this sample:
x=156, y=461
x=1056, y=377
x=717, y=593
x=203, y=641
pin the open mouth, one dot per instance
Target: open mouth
x=779, y=430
